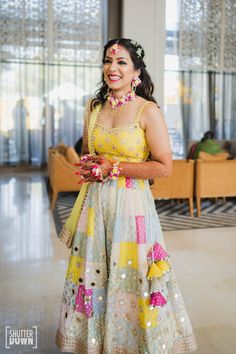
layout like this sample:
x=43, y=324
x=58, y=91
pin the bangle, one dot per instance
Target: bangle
x=115, y=171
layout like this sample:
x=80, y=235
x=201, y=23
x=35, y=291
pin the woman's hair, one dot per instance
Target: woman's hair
x=145, y=89
x=207, y=135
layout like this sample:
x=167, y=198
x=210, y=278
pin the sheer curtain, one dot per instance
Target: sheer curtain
x=200, y=70
x=207, y=57
x=50, y=56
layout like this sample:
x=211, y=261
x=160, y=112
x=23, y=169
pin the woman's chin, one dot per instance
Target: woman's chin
x=118, y=87
x=114, y=85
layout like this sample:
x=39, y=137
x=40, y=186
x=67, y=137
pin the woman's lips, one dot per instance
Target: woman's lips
x=114, y=78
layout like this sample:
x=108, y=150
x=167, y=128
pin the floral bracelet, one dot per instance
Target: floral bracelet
x=96, y=170
x=115, y=171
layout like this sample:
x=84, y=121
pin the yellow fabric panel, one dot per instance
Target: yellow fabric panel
x=91, y=216
x=121, y=182
x=141, y=183
x=128, y=255
x=75, y=269
x=147, y=315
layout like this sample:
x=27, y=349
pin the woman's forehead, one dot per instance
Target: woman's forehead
x=121, y=52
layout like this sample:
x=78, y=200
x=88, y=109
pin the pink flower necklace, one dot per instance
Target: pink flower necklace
x=120, y=101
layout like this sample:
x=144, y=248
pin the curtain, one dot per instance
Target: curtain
x=207, y=57
x=50, y=63
x=207, y=63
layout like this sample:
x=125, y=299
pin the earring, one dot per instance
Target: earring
x=135, y=82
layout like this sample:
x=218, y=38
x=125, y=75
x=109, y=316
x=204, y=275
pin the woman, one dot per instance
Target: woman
x=120, y=293
x=207, y=144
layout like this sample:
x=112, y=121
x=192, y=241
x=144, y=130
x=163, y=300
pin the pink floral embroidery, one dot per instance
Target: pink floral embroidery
x=128, y=182
x=140, y=229
x=84, y=301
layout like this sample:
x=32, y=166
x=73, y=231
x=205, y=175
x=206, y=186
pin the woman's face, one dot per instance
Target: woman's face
x=118, y=70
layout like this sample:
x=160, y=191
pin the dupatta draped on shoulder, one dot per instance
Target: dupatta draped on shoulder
x=68, y=231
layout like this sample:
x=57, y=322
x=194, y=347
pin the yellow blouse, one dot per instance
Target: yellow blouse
x=124, y=143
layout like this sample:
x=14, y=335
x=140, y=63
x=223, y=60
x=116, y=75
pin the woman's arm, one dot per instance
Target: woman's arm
x=152, y=121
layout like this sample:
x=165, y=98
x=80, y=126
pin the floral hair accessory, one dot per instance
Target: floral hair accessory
x=115, y=49
x=139, y=49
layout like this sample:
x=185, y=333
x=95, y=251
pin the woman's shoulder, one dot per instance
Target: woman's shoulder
x=146, y=105
x=150, y=111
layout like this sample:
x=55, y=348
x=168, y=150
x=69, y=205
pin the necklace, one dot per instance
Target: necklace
x=120, y=101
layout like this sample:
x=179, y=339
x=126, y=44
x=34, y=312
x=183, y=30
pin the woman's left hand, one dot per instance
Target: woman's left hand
x=85, y=168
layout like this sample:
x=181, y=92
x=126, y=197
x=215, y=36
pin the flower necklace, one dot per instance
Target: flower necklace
x=120, y=101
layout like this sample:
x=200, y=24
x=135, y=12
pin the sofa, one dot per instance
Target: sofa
x=61, y=171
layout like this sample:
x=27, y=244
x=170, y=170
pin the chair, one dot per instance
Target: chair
x=61, y=172
x=215, y=179
x=177, y=186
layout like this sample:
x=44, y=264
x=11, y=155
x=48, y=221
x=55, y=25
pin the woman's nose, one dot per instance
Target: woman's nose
x=113, y=66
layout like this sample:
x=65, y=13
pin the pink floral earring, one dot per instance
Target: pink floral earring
x=135, y=82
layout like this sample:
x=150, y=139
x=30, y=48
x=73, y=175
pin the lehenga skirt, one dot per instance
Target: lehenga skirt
x=120, y=293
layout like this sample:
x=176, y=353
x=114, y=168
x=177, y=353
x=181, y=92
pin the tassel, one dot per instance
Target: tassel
x=157, y=253
x=164, y=266
x=154, y=271
x=157, y=299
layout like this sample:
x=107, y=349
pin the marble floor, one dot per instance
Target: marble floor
x=33, y=264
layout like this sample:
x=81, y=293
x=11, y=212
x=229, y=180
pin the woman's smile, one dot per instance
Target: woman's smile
x=114, y=77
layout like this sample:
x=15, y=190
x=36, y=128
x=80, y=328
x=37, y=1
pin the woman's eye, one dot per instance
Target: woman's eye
x=107, y=61
x=122, y=62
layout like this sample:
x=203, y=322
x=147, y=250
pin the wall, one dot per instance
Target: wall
x=144, y=21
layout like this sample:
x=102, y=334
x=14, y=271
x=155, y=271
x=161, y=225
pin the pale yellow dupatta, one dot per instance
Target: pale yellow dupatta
x=68, y=231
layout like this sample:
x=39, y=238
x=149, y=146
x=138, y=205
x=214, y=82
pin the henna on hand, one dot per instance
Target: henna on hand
x=85, y=168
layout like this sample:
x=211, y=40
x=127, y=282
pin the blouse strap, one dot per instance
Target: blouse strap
x=141, y=110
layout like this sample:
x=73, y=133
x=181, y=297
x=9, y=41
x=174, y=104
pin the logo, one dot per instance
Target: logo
x=21, y=337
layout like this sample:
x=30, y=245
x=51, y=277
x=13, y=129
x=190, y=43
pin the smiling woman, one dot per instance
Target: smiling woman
x=120, y=294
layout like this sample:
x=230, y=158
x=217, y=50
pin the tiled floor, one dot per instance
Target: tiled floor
x=33, y=263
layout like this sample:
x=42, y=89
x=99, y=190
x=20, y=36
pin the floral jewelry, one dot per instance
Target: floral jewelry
x=85, y=158
x=139, y=49
x=136, y=81
x=115, y=171
x=115, y=49
x=120, y=101
x=96, y=172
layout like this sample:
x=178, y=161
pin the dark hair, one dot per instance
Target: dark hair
x=207, y=135
x=145, y=89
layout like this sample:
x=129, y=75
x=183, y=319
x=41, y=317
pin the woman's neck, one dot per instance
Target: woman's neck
x=120, y=93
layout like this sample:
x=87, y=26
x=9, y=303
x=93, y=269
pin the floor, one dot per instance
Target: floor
x=33, y=263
